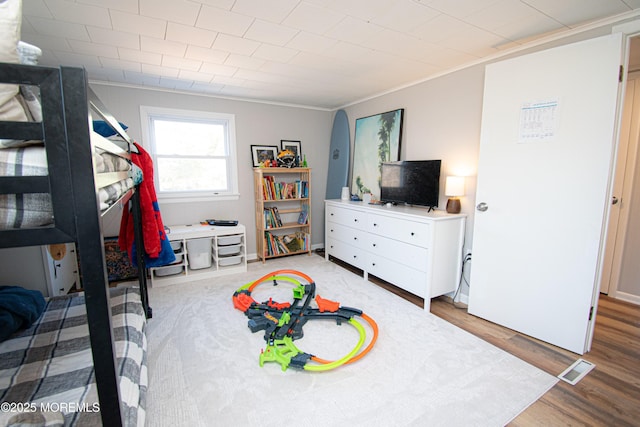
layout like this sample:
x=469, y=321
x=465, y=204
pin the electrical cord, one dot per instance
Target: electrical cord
x=467, y=258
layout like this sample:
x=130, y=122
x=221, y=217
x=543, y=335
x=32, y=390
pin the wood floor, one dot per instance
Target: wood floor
x=608, y=396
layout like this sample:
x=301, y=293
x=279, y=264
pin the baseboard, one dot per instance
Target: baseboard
x=461, y=299
x=252, y=257
x=460, y=303
x=623, y=296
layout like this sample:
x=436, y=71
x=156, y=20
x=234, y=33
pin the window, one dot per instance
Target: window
x=194, y=153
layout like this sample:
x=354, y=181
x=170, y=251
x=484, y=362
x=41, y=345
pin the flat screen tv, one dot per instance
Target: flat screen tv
x=414, y=182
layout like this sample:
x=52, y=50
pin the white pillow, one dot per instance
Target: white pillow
x=29, y=55
x=10, y=25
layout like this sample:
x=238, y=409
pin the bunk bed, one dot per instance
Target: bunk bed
x=59, y=202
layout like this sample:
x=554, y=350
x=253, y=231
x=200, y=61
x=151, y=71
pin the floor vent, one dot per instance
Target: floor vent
x=576, y=371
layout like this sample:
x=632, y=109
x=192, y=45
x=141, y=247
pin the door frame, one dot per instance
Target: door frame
x=628, y=30
x=622, y=188
x=611, y=256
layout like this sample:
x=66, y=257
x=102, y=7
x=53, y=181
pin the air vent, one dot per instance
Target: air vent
x=576, y=371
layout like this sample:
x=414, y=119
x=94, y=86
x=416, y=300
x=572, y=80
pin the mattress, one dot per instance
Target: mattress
x=46, y=371
x=34, y=209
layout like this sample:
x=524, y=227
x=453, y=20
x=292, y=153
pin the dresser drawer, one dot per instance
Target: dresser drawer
x=348, y=217
x=349, y=235
x=400, y=275
x=345, y=252
x=415, y=233
x=412, y=256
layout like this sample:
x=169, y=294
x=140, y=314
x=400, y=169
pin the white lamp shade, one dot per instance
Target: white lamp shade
x=454, y=186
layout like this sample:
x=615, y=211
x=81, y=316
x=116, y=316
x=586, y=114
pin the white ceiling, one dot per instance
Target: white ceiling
x=319, y=53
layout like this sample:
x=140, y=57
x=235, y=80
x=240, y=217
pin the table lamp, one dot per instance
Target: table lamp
x=454, y=188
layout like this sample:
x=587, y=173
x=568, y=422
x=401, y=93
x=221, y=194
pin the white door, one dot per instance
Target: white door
x=547, y=140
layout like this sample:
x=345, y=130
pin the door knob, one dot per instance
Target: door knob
x=614, y=200
x=482, y=207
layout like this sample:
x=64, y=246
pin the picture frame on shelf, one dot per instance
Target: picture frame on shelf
x=291, y=145
x=262, y=153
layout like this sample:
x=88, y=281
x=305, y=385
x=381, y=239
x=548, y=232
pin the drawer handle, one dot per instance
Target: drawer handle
x=356, y=220
x=375, y=224
x=332, y=230
x=374, y=245
x=331, y=214
x=413, y=234
x=355, y=238
x=373, y=264
x=355, y=256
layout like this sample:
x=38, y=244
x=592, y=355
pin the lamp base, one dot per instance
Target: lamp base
x=453, y=205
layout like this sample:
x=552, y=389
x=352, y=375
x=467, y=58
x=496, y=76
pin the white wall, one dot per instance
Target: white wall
x=256, y=124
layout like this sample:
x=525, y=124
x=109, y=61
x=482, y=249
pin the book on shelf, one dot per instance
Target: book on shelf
x=304, y=215
x=272, y=190
x=276, y=213
x=302, y=189
x=287, y=243
x=272, y=217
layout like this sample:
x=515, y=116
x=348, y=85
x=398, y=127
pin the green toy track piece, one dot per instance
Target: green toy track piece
x=284, y=319
x=281, y=351
x=298, y=292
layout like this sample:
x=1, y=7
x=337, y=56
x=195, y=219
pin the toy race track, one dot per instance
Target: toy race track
x=282, y=323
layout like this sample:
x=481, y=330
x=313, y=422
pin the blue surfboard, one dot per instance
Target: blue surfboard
x=338, y=156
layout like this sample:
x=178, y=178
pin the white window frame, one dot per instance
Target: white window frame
x=148, y=113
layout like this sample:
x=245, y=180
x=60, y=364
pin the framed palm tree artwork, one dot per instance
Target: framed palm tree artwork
x=377, y=140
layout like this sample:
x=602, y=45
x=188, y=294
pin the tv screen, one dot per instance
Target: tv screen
x=414, y=182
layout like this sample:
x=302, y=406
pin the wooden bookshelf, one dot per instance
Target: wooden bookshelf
x=283, y=211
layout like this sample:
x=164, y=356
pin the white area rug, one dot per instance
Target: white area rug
x=423, y=371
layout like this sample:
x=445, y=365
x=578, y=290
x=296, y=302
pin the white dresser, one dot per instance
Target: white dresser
x=409, y=247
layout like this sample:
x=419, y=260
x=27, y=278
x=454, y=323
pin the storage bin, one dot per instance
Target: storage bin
x=229, y=250
x=168, y=271
x=229, y=260
x=199, y=253
x=176, y=245
x=229, y=240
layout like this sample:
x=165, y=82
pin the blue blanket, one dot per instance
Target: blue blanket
x=19, y=308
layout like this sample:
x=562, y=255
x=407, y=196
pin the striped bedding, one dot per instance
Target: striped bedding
x=46, y=371
x=34, y=209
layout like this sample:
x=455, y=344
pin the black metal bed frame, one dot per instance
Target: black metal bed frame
x=67, y=108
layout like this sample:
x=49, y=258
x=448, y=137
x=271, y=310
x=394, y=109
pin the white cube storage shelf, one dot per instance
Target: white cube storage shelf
x=202, y=251
x=409, y=247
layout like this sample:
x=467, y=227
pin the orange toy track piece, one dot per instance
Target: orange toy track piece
x=277, y=305
x=327, y=305
x=278, y=272
x=242, y=301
